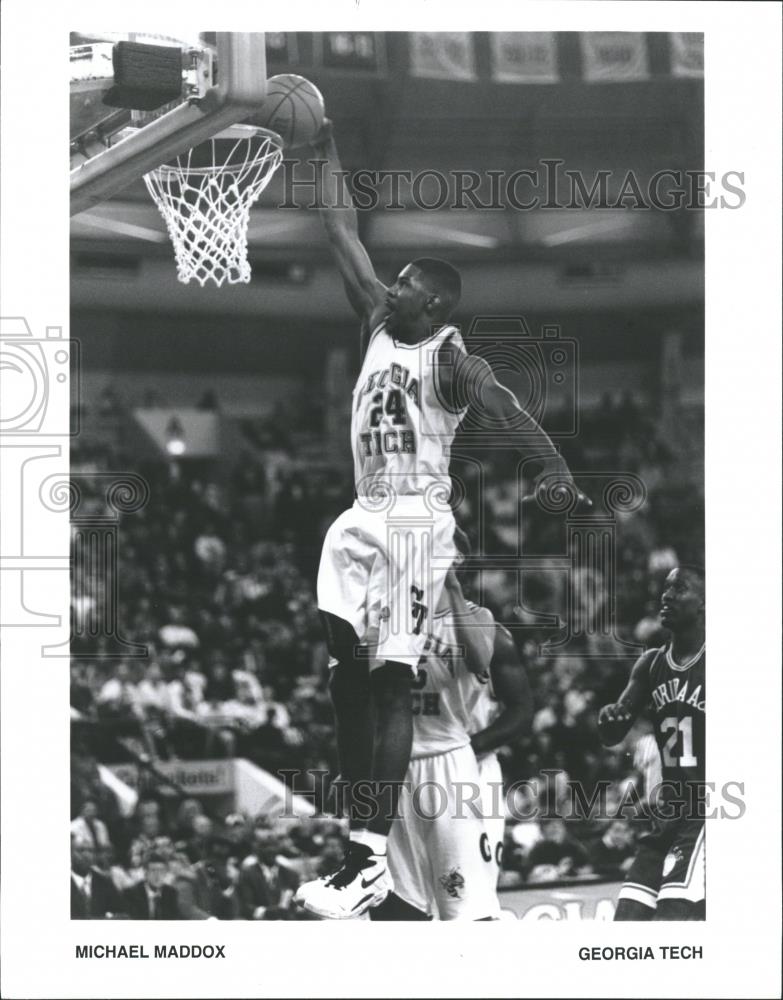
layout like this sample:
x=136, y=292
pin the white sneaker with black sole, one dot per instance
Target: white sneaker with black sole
x=362, y=881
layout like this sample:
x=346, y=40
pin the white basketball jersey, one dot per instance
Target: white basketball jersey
x=401, y=433
x=449, y=702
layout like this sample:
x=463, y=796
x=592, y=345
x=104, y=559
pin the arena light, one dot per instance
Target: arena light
x=175, y=438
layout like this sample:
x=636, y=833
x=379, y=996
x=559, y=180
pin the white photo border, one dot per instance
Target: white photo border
x=741, y=937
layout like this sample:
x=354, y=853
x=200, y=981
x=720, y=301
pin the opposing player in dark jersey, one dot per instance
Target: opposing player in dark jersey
x=411, y=394
x=666, y=880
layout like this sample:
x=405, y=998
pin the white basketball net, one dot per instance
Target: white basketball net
x=205, y=201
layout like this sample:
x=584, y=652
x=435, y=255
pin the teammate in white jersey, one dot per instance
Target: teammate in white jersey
x=384, y=561
x=444, y=852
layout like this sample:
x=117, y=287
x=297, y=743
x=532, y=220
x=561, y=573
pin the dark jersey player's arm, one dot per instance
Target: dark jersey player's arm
x=512, y=690
x=615, y=720
x=338, y=214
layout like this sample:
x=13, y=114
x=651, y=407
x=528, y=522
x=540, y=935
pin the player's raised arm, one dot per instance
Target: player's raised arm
x=615, y=720
x=512, y=690
x=338, y=213
x=468, y=380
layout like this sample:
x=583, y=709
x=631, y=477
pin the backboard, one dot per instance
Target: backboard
x=223, y=82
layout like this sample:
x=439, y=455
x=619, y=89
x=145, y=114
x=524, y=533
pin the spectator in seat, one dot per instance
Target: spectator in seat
x=238, y=831
x=81, y=693
x=212, y=891
x=220, y=685
x=118, y=698
x=266, y=886
x=269, y=737
x=152, y=898
x=557, y=855
x=119, y=874
x=612, y=854
x=332, y=855
x=198, y=844
x=176, y=634
x=150, y=830
x=153, y=693
x=87, y=826
x=186, y=813
x=93, y=896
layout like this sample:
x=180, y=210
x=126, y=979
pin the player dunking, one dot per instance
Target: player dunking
x=385, y=564
x=666, y=880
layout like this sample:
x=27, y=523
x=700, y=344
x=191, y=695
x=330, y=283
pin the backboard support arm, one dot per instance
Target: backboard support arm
x=240, y=90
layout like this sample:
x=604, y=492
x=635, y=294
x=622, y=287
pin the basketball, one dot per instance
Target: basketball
x=293, y=107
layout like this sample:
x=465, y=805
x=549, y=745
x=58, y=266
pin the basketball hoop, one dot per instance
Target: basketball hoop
x=205, y=196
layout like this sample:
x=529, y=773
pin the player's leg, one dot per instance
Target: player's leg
x=682, y=895
x=365, y=877
x=638, y=898
x=492, y=808
x=391, y=698
x=349, y=688
x=675, y=909
x=631, y=909
x=362, y=879
x=407, y=858
x=343, y=586
x=463, y=872
x=394, y=568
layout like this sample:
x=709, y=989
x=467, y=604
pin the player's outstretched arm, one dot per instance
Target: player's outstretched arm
x=615, y=720
x=512, y=689
x=468, y=380
x=338, y=213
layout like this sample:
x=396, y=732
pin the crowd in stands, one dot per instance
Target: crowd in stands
x=216, y=578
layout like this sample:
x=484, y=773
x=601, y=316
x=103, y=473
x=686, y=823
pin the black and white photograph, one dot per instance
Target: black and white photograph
x=371, y=489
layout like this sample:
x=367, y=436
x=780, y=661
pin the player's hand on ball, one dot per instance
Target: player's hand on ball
x=324, y=134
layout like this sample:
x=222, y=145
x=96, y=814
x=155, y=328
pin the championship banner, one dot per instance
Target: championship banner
x=614, y=55
x=687, y=53
x=524, y=57
x=443, y=55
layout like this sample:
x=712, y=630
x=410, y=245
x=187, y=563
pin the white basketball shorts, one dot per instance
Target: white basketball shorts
x=493, y=807
x=437, y=847
x=382, y=570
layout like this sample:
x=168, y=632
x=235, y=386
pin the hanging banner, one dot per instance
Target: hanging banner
x=687, y=53
x=363, y=51
x=282, y=48
x=524, y=56
x=443, y=55
x=614, y=55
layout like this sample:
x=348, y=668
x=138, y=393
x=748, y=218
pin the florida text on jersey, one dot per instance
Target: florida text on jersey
x=678, y=696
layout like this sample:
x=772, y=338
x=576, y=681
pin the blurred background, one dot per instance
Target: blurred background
x=233, y=405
